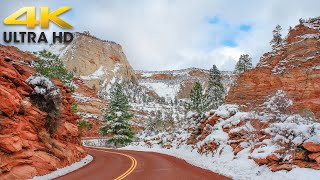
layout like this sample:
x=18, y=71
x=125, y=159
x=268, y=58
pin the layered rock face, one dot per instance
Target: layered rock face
x=99, y=63
x=90, y=107
x=294, y=67
x=26, y=147
x=178, y=83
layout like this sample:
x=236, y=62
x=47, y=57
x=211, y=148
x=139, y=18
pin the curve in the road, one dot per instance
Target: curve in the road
x=123, y=164
x=132, y=167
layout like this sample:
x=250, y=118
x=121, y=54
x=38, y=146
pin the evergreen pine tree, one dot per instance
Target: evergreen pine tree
x=51, y=66
x=117, y=118
x=244, y=64
x=277, y=37
x=215, y=93
x=197, y=101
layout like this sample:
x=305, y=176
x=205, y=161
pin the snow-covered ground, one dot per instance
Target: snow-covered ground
x=65, y=170
x=241, y=165
x=168, y=91
x=240, y=168
x=169, y=87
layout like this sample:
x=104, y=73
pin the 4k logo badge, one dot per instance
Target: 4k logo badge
x=45, y=17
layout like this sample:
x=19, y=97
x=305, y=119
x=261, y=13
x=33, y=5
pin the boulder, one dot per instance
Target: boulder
x=279, y=167
x=312, y=147
x=20, y=172
x=273, y=157
x=261, y=161
x=313, y=156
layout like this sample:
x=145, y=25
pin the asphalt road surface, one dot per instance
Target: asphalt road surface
x=135, y=165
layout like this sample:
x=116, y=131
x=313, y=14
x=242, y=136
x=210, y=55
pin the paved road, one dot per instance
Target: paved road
x=135, y=165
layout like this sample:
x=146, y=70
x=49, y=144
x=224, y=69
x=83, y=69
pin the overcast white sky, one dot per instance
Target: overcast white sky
x=175, y=34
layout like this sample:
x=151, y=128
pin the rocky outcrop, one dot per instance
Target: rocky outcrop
x=278, y=144
x=15, y=53
x=90, y=108
x=99, y=63
x=294, y=67
x=27, y=148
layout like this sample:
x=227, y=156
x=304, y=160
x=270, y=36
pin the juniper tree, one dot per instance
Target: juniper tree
x=117, y=118
x=301, y=21
x=277, y=37
x=215, y=93
x=197, y=99
x=244, y=64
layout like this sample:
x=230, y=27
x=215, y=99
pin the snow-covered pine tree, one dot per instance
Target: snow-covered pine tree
x=244, y=64
x=197, y=99
x=51, y=66
x=215, y=93
x=277, y=37
x=117, y=118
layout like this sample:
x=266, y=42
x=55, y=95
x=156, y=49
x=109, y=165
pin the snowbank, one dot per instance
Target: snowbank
x=239, y=169
x=240, y=144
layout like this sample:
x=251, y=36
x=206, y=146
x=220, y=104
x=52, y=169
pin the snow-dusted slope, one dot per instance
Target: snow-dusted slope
x=178, y=83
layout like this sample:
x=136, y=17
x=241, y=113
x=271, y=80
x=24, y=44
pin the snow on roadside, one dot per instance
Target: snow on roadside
x=221, y=159
x=240, y=168
x=65, y=170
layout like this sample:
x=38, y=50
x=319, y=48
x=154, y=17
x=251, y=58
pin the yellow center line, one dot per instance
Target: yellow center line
x=130, y=170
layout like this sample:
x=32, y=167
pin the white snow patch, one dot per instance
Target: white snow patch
x=82, y=98
x=226, y=110
x=168, y=91
x=316, y=67
x=314, y=139
x=96, y=75
x=88, y=115
x=310, y=36
x=57, y=48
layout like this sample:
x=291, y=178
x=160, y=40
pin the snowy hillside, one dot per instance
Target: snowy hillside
x=176, y=84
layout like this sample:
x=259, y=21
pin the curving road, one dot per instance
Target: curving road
x=122, y=164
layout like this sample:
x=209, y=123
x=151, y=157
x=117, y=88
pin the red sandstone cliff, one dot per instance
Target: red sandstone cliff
x=90, y=107
x=27, y=148
x=294, y=67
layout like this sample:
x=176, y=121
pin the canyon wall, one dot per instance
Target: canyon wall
x=27, y=147
x=294, y=67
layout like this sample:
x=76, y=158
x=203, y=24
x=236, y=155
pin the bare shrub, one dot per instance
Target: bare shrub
x=48, y=98
x=279, y=102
